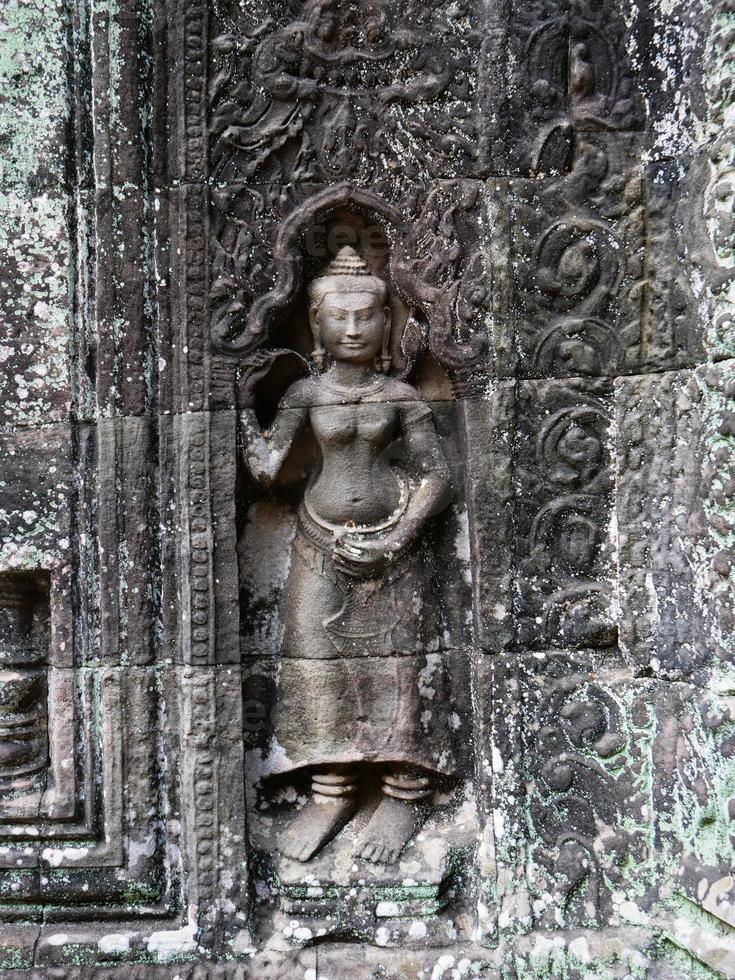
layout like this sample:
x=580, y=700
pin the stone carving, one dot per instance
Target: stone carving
x=574, y=75
x=710, y=231
x=536, y=680
x=582, y=786
x=360, y=681
x=602, y=86
x=340, y=89
x=565, y=588
x=435, y=252
x=598, y=283
x=573, y=272
x=673, y=437
x=24, y=643
x=442, y=282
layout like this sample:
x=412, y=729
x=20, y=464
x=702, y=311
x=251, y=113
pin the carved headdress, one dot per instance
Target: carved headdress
x=346, y=273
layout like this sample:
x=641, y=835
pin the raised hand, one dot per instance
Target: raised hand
x=252, y=370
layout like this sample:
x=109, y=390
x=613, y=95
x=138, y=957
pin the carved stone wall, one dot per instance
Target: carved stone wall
x=547, y=188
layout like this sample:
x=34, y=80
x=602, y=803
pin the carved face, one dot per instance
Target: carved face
x=352, y=325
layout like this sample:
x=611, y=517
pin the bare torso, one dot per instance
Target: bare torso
x=356, y=482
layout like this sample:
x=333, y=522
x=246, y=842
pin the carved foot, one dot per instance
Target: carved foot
x=389, y=829
x=334, y=803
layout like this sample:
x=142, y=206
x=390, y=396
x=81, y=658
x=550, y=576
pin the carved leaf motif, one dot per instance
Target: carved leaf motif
x=340, y=89
x=574, y=797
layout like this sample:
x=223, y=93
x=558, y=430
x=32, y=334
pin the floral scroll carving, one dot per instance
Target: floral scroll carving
x=565, y=590
x=341, y=88
x=582, y=778
x=598, y=282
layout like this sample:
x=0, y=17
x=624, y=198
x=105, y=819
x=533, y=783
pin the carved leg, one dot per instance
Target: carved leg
x=333, y=803
x=397, y=818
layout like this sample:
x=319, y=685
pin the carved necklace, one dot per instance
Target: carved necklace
x=356, y=392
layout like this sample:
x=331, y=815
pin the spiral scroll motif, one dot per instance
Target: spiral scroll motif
x=575, y=772
x=576, y=266
x=570, y=447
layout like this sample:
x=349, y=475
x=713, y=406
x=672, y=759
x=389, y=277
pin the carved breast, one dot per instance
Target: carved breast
x=340, y=425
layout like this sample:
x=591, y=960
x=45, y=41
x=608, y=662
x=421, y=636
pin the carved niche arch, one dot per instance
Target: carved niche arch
x=431, y=308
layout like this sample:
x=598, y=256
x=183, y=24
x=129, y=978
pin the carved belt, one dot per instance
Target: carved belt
x=316, y=534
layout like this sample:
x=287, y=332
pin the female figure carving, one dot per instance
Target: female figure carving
x=360, y=679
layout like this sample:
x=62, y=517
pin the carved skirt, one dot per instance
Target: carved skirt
x=361, y=678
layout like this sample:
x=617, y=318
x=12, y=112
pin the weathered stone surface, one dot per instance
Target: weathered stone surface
x=562, y=470
x=674, y=535
x=596, y=253
x=446, y=689
x=344, y=93
x=35, y=279
x=34, y=59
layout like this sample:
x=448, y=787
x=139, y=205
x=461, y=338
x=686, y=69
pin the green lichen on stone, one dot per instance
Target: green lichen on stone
x=713, y=554
x=699, y=817
x=34, y=518
x=580, y=956
x=35, y=251
x=35, y=105
x=16, y=958
x=35, y=283
x=694, y=941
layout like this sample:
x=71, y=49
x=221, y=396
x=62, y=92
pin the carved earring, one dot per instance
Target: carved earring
x=318, y=355
x=384, y=360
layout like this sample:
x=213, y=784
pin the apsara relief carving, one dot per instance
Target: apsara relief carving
x=358, y=686
x=365, y=489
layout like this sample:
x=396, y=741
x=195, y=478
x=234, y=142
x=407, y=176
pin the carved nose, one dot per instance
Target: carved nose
x=353, y=328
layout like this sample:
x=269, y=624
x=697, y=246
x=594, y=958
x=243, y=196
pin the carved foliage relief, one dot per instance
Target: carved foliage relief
x=359, y=90
x=563, y=536
x=596, y=269
x=548, y=276
x=589, y=806
x=325, y=90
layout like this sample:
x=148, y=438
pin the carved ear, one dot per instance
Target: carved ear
x=318, y=354
x=385, y=355
x=315, y=324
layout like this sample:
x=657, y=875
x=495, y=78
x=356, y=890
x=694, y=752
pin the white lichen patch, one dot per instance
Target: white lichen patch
x=168, y=944
x=115, y=943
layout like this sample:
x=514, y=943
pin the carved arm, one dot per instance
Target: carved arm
x=434, y=492
x=265, y=452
